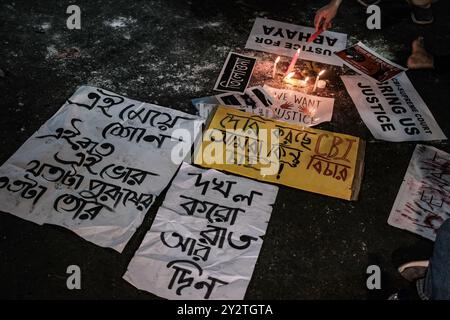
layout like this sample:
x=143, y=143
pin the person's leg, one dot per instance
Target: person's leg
x=437, y=281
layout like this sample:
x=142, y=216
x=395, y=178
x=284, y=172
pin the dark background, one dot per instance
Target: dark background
x=168, y=52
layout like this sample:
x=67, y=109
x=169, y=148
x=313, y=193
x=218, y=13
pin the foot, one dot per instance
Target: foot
x=414, y=270
x=419, y=58
x=421, y=14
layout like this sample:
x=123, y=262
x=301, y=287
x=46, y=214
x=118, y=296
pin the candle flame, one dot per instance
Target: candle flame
x=321, y=72
x=306, y=79
x=290, y=75
x=298, y=50
x=277, y=60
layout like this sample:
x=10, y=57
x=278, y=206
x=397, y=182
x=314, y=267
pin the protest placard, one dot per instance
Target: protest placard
x=300, y=108
x=393, y=110
x=285, y=39
x=96, y=166
x=206, y=237
x=273, y=151
x=422, y=203
x=236, y=73
x=367, y=62
x=285, y=105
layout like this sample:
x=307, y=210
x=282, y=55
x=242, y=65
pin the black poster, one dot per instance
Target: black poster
x=235, y=73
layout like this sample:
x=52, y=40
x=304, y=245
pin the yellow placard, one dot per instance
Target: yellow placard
x=269, y=150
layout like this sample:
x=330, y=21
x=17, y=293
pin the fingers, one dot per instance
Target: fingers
x=318, y=20
x=323, y=17
x=325, y=25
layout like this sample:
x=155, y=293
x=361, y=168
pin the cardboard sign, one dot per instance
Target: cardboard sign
x=209, y=230
x=96, y=166
x=393, y=110
x=235, y=73
x=422, y=203
x=368, y=63
x=285, y=38
x=268, y=150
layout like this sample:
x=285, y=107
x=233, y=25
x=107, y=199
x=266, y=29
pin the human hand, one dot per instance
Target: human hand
x=325, y=15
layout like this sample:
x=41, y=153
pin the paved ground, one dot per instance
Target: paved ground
x=168, y=52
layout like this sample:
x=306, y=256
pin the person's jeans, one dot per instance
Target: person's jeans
x=437, y=280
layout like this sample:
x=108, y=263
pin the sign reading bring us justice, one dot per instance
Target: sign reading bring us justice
x=269, y=150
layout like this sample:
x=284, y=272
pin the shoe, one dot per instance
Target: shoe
x=367, y=3
x=421, y=14
x=414, y=270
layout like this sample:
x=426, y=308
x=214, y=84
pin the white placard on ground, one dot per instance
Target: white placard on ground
x=284, y=39
x=206, y=237
x=96, y=166
x=393, y=110
x=422, y=203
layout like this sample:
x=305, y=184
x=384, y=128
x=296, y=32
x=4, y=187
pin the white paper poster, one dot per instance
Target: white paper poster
x=393, y=110
x=423, y=204
x=284, y=105
x=206, y=237
x=96, y=166
x=300, y=108
x=284, y=39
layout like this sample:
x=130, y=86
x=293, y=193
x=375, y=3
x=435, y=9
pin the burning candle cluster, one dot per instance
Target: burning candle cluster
x=290, y=73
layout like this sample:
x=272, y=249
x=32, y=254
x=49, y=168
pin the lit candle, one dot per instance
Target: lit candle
x=288, y=77
x=317, y=80
x=293, y=62
x=321, y=84
x=304, y=83
x=274, y=71
x=295, y=82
